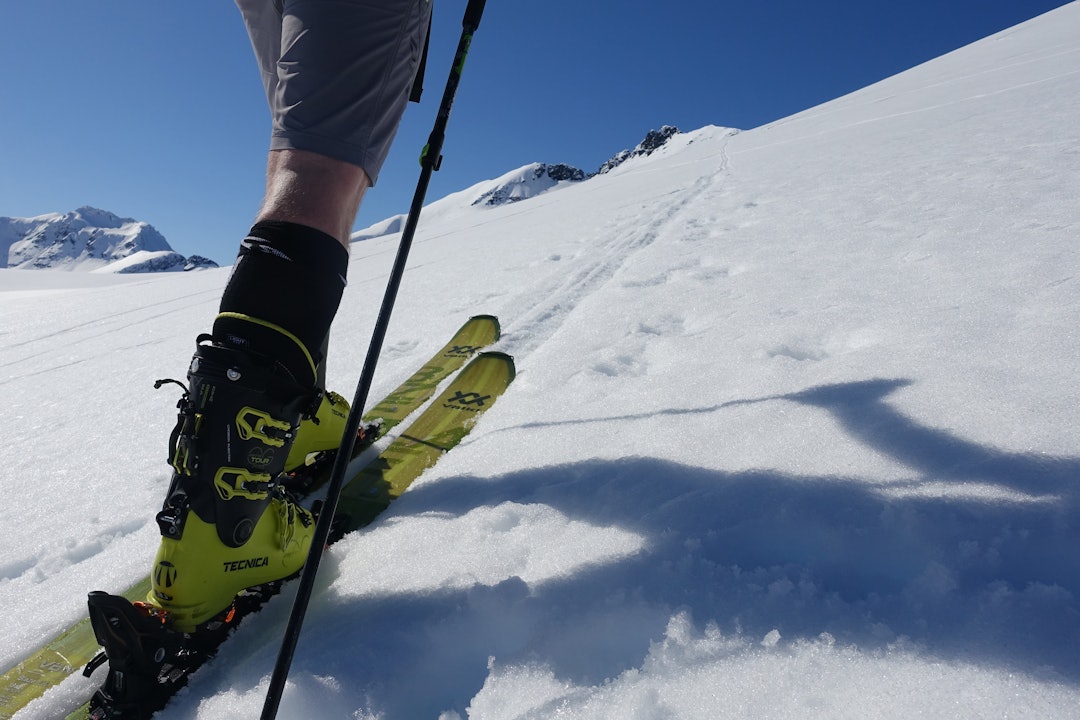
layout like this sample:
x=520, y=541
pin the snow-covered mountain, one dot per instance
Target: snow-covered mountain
x=527, y=182
x=89, y=239
x=654, y=140
x=793, y=435
x=523, y=183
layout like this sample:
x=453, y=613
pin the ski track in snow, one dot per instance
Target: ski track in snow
x=550, y=304
x=89, y=330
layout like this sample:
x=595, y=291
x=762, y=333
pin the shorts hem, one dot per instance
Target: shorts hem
x=337, y=149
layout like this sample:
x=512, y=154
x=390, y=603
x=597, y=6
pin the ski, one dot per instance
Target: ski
x=437, y=430
x=77, y=645
x=141, y=641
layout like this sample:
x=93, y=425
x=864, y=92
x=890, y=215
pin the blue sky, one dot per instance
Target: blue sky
x=154, y=110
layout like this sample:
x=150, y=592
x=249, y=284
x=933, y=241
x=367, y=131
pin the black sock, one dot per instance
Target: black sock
x=283, y=294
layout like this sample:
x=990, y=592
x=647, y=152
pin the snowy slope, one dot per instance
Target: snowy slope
x=794, y=433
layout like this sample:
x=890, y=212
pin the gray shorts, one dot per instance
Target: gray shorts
x=337, y=73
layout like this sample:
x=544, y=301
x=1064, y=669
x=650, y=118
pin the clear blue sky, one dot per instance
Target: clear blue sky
x=154, y=110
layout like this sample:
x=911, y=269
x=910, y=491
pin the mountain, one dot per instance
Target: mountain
x=90, y=239
x=519, y=184
x=527, y=182
x=654, y=140
x=793, y=435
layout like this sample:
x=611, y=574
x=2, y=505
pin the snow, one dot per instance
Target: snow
x=794, y=431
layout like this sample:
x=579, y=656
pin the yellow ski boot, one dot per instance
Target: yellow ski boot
x=227, y=523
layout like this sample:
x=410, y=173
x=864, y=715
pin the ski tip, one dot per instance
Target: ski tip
x=504, y=357
x=488, y=318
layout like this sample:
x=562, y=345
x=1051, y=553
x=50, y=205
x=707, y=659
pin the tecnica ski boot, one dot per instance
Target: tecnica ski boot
x=227, y=523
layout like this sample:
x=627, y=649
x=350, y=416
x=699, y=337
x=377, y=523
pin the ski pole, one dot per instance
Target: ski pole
x=430, y=161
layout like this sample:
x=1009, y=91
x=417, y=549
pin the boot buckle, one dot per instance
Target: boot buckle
x=258, y=425
x=240, y=483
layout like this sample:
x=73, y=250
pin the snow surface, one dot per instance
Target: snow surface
x=794, y=433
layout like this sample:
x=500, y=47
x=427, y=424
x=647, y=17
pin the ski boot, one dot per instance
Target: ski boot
x=230, y=529
x=316, y=444
x=227, y=523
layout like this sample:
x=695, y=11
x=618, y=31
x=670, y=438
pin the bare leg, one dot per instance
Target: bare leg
x=314, y=190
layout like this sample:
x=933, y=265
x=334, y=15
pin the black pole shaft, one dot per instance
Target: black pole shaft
x=430, y=162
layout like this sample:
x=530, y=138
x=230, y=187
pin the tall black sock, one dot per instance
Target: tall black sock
x=282, y=296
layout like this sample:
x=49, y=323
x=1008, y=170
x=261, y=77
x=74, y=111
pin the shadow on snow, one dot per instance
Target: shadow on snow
x=986, y=581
